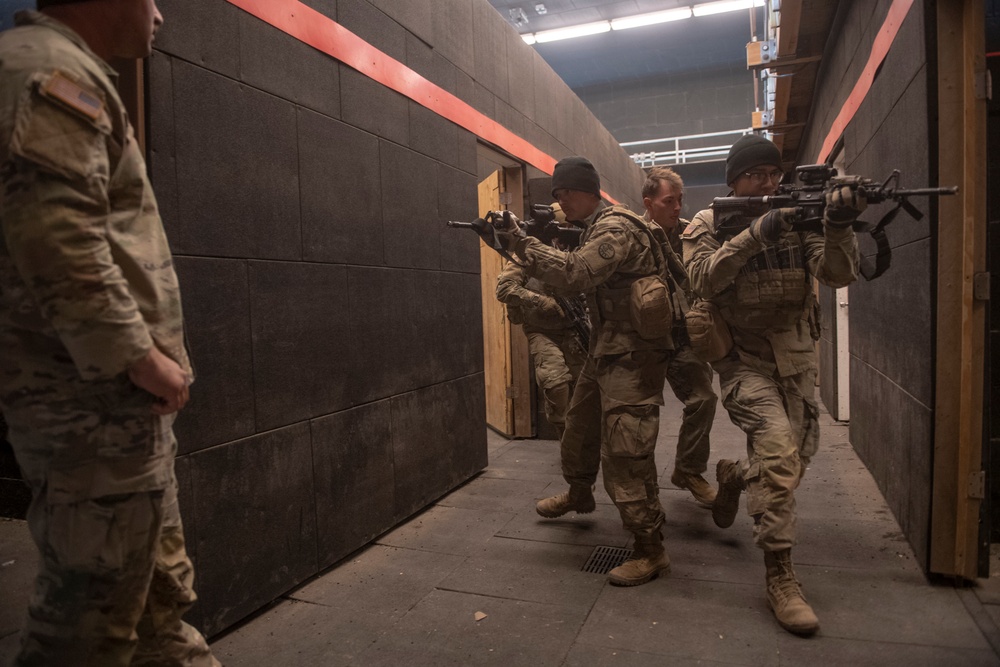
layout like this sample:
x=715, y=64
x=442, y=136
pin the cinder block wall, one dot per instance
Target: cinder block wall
x=334, y=321
x=891, y=318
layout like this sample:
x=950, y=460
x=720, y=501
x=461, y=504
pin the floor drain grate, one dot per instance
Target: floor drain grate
x=605, y=559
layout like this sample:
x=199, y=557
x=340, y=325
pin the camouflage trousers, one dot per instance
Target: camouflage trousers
x=558, y=359
x=781, y=419
x=690, y=379
x=114, y=577
x=612, y=423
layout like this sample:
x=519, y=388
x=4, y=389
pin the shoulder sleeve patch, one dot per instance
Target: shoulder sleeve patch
x=693, y=230
x=59, y=137
x=69, y=93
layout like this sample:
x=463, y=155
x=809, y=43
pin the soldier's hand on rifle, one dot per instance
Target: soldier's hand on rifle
x=769, y=228
x=843, y=206
x=509, y=232
x=549, y=307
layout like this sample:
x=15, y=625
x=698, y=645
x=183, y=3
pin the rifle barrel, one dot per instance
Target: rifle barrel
x=749, y=202
x=456, y=223
x=926, y=192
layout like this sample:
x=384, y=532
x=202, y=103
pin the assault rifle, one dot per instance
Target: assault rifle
x=542, y=225
x=809, y=201
x=577, y=311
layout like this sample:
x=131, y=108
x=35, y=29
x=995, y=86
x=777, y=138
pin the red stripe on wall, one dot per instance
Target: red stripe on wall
x=883, y=41
x=324, y=34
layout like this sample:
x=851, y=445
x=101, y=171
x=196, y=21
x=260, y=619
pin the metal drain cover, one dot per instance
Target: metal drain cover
x=605, y=559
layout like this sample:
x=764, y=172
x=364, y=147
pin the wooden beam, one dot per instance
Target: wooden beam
x=961, y=244
x=788, y=30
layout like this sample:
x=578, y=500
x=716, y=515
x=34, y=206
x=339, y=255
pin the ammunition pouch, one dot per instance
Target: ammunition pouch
x=708, y=331
x=651, y=308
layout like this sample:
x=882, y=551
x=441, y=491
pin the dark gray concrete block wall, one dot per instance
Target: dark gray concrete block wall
x=892, y=318
x=334, y=321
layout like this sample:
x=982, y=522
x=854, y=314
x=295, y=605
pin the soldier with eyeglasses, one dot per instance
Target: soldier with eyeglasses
x=761, y=281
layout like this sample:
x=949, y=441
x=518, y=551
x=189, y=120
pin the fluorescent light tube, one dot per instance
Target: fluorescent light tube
x=528, y=38
x=573, y=31
x=653, y=18
x=709, y=8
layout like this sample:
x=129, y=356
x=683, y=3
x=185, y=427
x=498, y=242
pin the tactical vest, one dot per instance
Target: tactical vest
x=772, y=290
x=645, y=300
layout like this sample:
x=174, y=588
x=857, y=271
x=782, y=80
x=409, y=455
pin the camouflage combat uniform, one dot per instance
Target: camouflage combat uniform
x=768, y=379
x=614, y=413
x=689, y=377
x=87, y=287
x=556, y=352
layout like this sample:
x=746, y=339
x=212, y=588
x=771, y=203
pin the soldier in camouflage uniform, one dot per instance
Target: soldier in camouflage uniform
x=613, y=417
x=689, y=377
x=556, y=352
x=761, y=280
x=92, y=358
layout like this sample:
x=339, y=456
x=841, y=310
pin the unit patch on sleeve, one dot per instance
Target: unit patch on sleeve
x=606, y=250
x=61, y=88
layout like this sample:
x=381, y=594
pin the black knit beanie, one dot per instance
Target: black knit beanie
x=750, y=151
x=576, y=173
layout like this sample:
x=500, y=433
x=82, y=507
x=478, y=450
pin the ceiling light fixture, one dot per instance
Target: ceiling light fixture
x=573, y=31
x=709, y=8
x=518, y=17
x=626, y=22
x=540, y=9
x=652, y=18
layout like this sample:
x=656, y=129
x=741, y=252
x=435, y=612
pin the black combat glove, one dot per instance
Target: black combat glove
x=508, y=231
x=769, y=228
x=843, y=206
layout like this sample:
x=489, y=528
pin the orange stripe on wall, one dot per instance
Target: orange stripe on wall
x=883, y=41
x=324, y=34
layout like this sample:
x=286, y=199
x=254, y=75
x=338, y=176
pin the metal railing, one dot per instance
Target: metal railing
x=675, y=150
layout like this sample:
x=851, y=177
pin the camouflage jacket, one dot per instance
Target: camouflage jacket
x=614, y=252
x=765, y=294
x=530, y=302
x=87, y=284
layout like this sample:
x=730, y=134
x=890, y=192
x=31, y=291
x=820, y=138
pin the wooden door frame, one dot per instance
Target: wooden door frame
x=957, y=490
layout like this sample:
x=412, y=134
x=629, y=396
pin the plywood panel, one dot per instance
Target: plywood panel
x=520, y=357
x=496, y=341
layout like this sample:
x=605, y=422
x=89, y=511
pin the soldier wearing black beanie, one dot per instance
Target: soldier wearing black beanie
x=576, y=173
x=759, y=280
x=751, y=150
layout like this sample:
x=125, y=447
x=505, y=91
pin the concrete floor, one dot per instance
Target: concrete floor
x=413, y=597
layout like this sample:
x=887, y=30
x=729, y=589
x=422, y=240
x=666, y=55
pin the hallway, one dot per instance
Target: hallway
x=414, y=595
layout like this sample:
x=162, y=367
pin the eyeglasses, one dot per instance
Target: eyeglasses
x=761, y=176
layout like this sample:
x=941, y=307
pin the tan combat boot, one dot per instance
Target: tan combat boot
x=696, y=484
x=648, y=560
x=727, y=502
x=784, y=595
x=579, y=499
